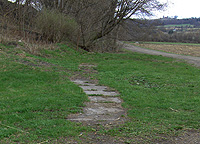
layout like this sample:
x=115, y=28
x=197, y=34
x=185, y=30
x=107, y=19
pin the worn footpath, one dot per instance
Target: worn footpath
x=104, y=104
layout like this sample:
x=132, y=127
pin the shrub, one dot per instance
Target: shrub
x=105, y=44
x=55, y=26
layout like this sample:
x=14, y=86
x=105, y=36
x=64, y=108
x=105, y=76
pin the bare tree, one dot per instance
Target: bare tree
x=98, y=18
x=124, y=10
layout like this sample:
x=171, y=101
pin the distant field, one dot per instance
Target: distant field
x=177, y=48
x=179, y=25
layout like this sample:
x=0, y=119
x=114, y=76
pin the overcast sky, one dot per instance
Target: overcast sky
x=181, y=8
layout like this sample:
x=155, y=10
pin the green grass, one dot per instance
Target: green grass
x=161, y=95
x=35, y=102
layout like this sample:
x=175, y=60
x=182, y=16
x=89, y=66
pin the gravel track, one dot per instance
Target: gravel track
x=190, y=59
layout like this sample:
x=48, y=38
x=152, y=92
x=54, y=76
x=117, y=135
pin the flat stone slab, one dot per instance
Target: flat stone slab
x=98, y=99
x=101, y=93
x=99, y=111
x=96, y=118
x=87, y=65
x=83, y=83
x=102, y=108
x=93, y=88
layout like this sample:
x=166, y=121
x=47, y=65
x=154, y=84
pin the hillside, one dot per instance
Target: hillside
x=173, y=21
x=161, y=30
x=36, y=95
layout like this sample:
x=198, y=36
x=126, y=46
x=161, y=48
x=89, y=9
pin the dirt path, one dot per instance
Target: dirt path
x=189, y=59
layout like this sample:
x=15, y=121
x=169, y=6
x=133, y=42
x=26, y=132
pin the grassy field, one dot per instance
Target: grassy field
x=35, y=101
x=160, y=94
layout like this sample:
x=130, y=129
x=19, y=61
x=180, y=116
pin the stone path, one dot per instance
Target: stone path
x=104, y=105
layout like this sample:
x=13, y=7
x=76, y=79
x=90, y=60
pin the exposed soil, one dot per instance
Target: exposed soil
x=189, y=137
